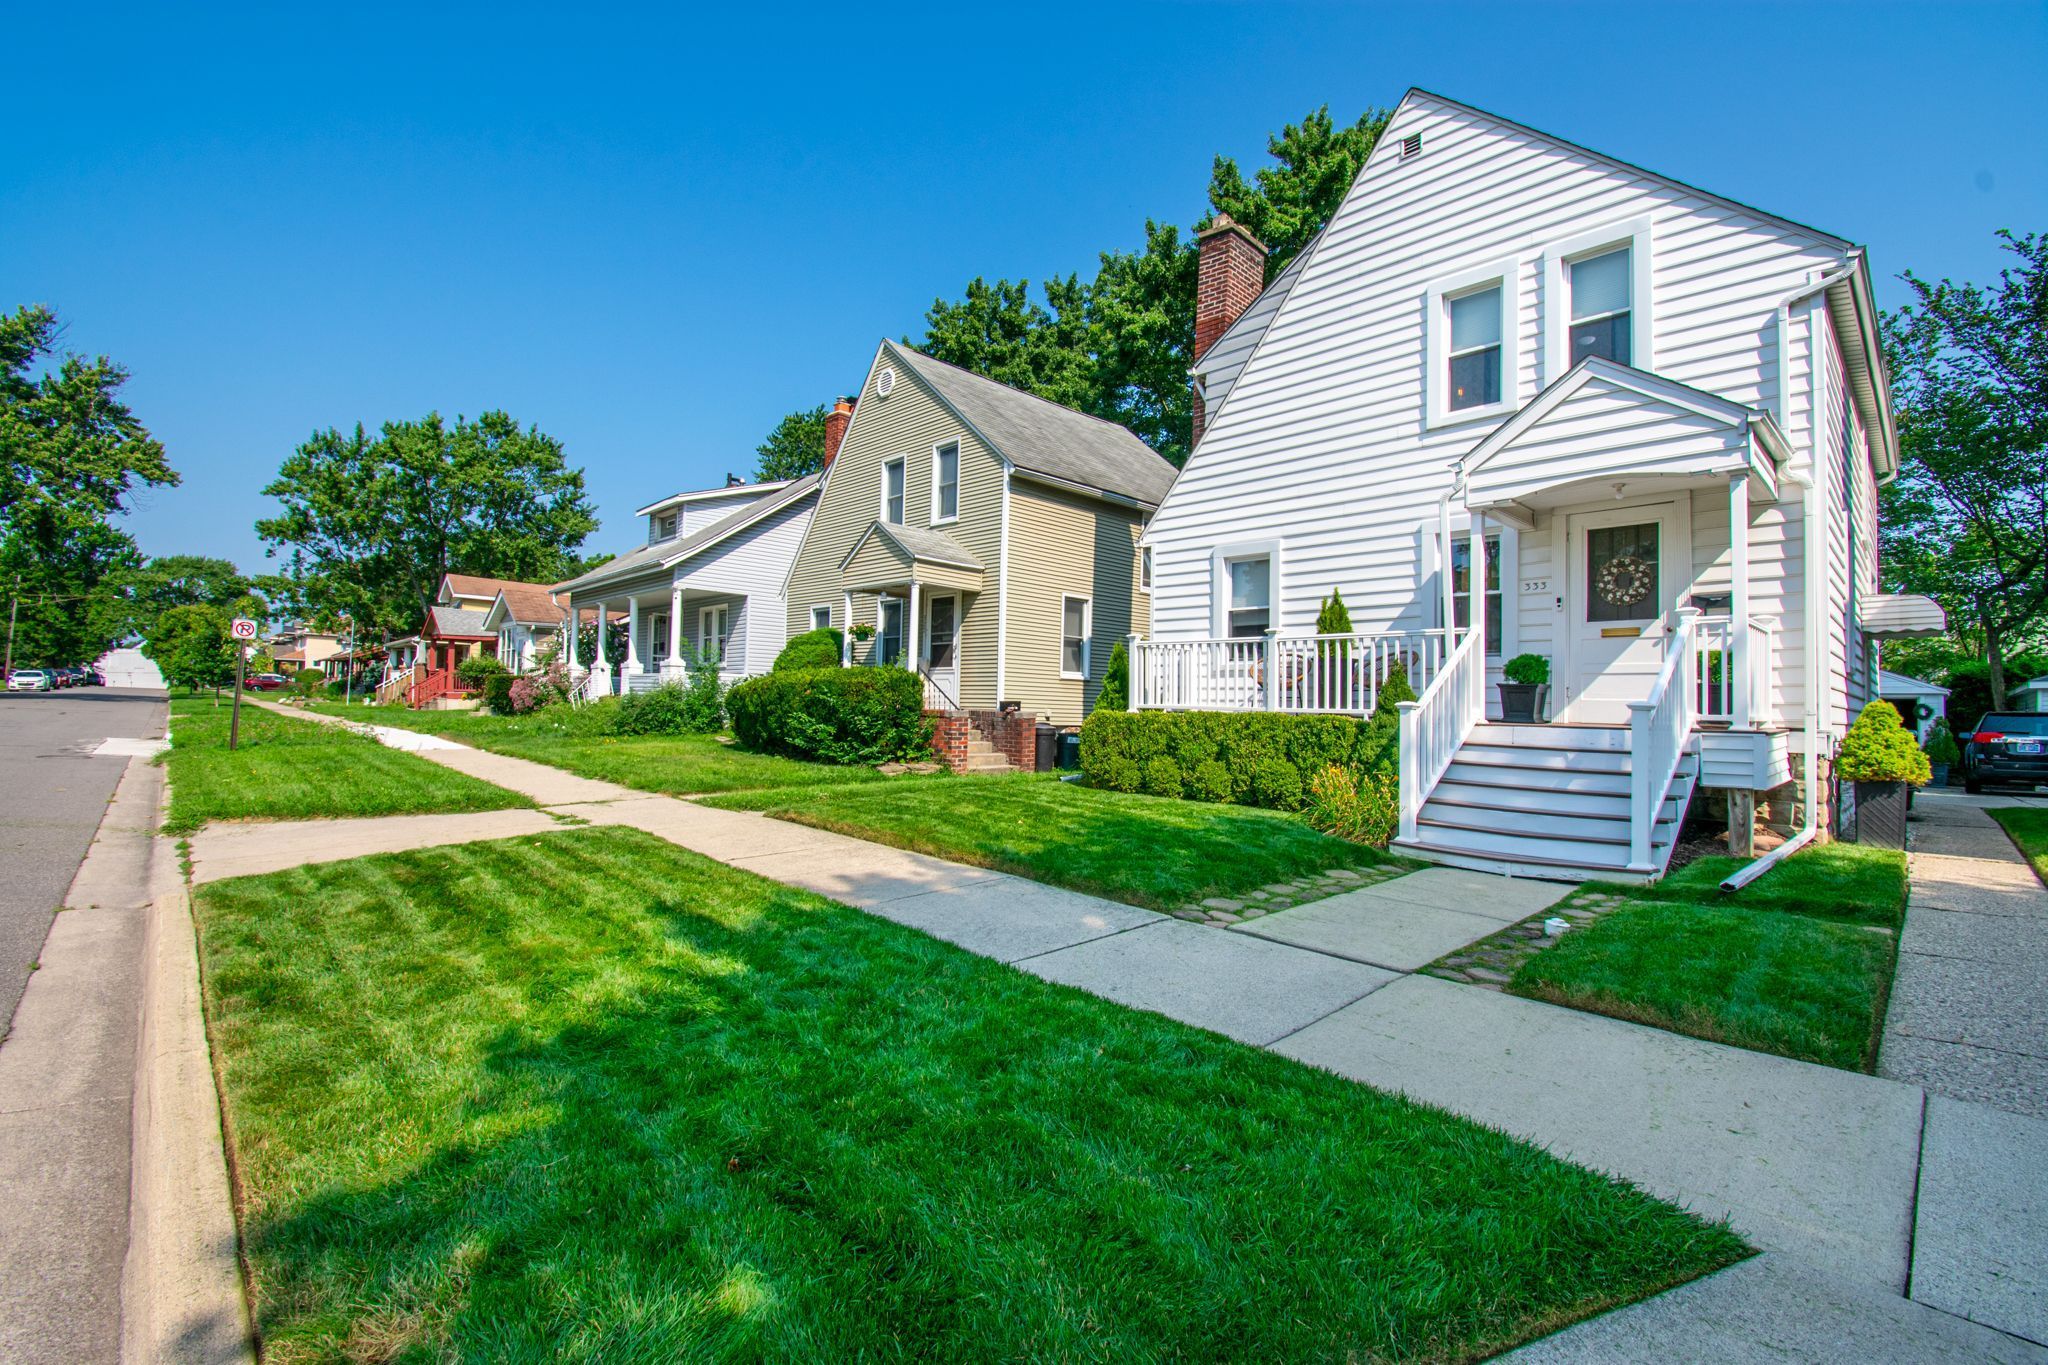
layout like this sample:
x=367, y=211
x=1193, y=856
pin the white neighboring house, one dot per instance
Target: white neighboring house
x=2032, y=696
x=710, y=578
x=1597, y=372
x=1909, y=695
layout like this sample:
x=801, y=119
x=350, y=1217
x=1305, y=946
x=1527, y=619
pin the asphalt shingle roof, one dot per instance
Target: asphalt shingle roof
x=670, y=552
x=457, y=620
x=1039, y=436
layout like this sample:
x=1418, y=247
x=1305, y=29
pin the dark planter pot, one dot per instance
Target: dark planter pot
x=1940, y=774
x=1881, y=814
x=1523, y=703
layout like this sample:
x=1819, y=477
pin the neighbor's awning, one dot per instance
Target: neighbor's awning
x=1900, y=616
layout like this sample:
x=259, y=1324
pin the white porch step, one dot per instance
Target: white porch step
x=1578, y=737
x=1504, y=795
x=1562, y=760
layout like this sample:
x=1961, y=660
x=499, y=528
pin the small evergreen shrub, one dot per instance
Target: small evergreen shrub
x=1210, y=781
x=812, y=649
x=1941, y=745
x=498, y=693
x=1276, y=784
x=1117, y=774
x=1335, y=617
x=1162, y=777
x=1879, y=749
x=1527, y=668
x=834, y=715
x=1116, y=681
x=477, y=669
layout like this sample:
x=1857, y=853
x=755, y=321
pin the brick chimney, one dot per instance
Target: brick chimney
x=835, y=426
x=1229, y=273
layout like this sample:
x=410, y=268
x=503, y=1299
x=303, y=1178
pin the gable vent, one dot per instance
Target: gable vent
x=885, y=383
x=1411, y=146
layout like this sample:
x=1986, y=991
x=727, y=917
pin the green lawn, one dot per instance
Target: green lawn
x=576, y=739
x=2028, y=826
x=590, y=1097
x=1143, y=850
x=290, y=769
x=1786, y=965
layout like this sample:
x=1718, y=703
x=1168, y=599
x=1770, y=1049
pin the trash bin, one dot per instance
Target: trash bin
x=1048, y=739
x=1070, y=749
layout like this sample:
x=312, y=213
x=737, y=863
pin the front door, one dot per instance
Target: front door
x=1624, y=581
x=942, y=644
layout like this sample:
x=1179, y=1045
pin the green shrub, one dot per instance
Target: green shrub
x=1879, y=749
x=1117, y=774
x=1527, y=668
x=1367, y=811
x=1941, y=745
x=1210, y=781
x=498, y=693
x=812, y=649
x=307, y=682
x=1162, y=777
x=1116, y=681
x=478, y=669
x=1276, y=784
x=1334, y=618
x=1969, y=686
x=837, y=715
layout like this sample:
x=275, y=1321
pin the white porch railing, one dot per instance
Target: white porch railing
x=1659, y=729
x=1438, y=722
x=1303, y=674
x=1717, y=696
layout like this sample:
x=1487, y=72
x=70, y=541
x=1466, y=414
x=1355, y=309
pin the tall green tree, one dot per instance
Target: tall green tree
x=1287, y=203
x=192, y=648
x=795, y=448
x=369, y=524
x=71, y=455
x=1966, y=521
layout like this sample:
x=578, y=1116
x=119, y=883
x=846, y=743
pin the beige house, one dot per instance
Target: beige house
x=986, y=538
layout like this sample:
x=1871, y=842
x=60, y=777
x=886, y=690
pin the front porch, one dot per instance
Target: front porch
x=915, y=587
x=666, y=625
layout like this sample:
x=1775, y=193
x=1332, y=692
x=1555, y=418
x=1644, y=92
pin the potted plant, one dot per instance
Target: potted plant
x=1525, y=693
x=863, y=631
x=1881, y=758
x=1942, y=753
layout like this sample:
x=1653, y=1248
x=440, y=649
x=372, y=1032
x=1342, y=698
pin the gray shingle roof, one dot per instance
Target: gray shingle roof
x=671, y=552
x=457, y=620
x=936, y=546
x=1041, y=437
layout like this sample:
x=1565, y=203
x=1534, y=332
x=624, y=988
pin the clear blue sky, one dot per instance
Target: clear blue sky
x=653, y=235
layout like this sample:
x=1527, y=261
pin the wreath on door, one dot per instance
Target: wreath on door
x=1624, y=580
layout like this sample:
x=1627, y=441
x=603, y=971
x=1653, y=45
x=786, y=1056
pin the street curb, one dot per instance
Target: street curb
x=182, y=1294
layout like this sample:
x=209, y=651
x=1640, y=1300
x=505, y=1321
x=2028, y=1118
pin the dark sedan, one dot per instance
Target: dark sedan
x=2008, y=748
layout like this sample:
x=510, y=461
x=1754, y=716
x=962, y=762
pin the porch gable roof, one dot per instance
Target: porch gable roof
x=1603, y=420
x=887, y=553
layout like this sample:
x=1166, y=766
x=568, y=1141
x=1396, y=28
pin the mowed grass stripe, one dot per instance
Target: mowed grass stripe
x=593, y=1097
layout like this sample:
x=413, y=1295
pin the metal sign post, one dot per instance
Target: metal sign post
x=241, y=630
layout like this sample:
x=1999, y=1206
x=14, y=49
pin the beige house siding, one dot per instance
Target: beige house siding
x=908, y=423
x=1063, y=545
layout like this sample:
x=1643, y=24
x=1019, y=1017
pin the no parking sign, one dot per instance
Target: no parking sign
x=242, y=628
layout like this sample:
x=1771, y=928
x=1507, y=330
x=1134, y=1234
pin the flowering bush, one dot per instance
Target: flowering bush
x=1367, y=809
x=532, y=691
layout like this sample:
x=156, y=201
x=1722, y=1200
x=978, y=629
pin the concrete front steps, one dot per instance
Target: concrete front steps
x=982, y=757
x=1549, y=801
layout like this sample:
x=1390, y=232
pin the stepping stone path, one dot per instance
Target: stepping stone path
x=1491, y=962
x=1224, y=911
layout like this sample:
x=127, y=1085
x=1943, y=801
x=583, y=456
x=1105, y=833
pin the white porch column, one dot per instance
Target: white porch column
x=675, y=627
x=567, y=654
x=1737, y=665
x=633, y=636
x=846, y=635
x=1475, y=579
x=602, y=685
x=910, y=651
x=1443, y=573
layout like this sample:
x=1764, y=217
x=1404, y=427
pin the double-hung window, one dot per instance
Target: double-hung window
x=889, y=634
x=946, y=482
x=1474, y=355
x=892, y=491
x=821, y=618
x=1251, y=597
x=714, y=631
x=1145, y=567
x=1074, y=627
x=1461, y=587
x=1601, y=289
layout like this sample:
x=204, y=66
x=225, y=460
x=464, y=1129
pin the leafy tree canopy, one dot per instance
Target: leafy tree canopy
x=795, y=448
x=370, y=523
x=192, y=647
x=1286, y=204
x=1966, y=521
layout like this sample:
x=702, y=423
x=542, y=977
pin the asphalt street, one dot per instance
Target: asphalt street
x=53, y=792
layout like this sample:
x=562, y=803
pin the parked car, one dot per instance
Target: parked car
x=267, y=682
x=71, y=677
x=30, y=680
x=2007, y=748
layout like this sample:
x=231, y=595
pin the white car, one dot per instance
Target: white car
x=30, y=680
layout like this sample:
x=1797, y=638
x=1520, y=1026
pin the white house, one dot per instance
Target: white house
x=711, y=577
x=1911, y=696
x=1597, y=372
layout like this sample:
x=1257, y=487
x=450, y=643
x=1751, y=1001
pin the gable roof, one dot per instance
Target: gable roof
x=529, y=604
x=471, y=585
x=1040, y=437
x=669, y=553
x=933, y=547
x=456, y=620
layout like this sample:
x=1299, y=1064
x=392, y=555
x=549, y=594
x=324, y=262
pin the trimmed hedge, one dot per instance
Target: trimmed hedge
x=479, y=669
x=1252, y=758
x=836, y=715
x=812, y=649
x=498, y=693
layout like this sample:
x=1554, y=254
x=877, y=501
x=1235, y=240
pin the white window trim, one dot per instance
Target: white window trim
x=1557, y=323
x=1436, y=562
x=902, y=606
x=882, y=502
x=825, y=607
x=1219, y=582
x=937, y=519
x=1146, y=568
x=1087, y=636
x=704, y=632
x=1436, y=331
x=657, y=638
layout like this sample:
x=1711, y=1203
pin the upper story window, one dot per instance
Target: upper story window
x=663, y=526
x=1472, y=345
x=1145, y=567
x=1075, y=627
x=1601, y=288
x=946, y=481
x=892, y=491
x=1475, y=349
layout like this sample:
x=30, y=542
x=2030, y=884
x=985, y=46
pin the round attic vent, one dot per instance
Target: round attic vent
x=885, y=383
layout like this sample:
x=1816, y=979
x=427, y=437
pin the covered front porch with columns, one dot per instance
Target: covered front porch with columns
x=915, y=588
x=666, y=625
